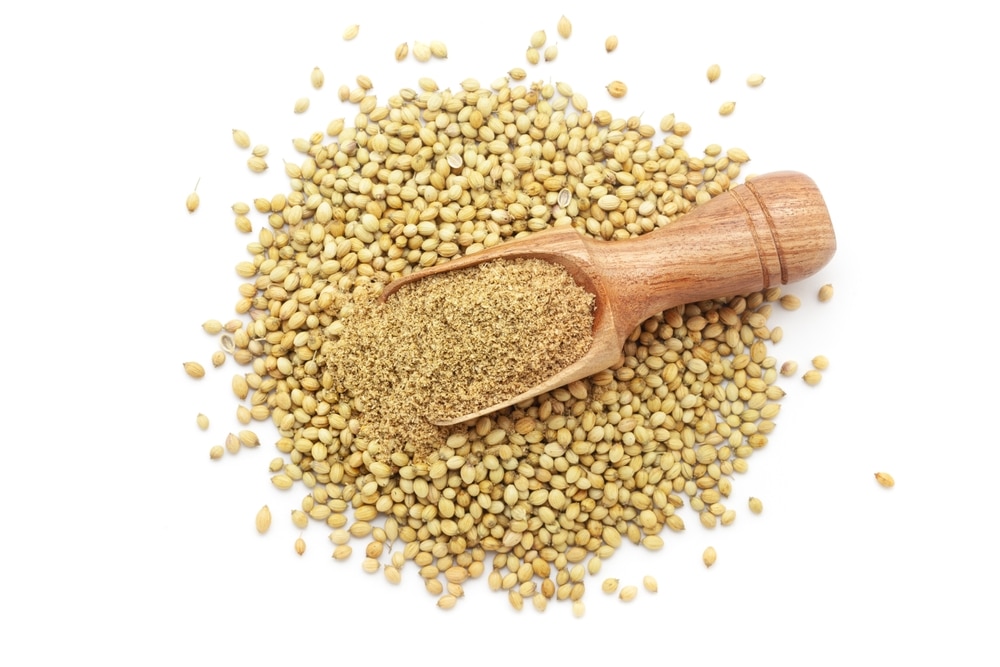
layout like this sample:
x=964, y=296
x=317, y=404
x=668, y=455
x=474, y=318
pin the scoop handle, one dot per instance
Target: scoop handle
x=772, y=230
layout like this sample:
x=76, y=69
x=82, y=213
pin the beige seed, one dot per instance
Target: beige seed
x=609, y=585
x=755, y=80
x=708, y=557
x=342, y=552
x=281, y=481
x=885, y=479
x=628, y=593
x=212, y=326
x=402, y=51
x=447, y=601
x=737, y=155
x=825, y=293
x=316, y=78
x=232, y=443
x=263, y=519
x=652, y=542
x=364, y=82
x=370, y=565
x=193, y=199
x=301, y=105
x=611, y=43
x=790, y=302
x=248, y=438
x=820, y=362
x=617, y=89
x=257, y=164
x=532, y=55
x=649, y=583
x=421, y=51
x=241, y=138
x=578, y=609
x=812, y=378
x=351, y=32
x=727, y=108
x=756, y=506
x=240, y=386
x=202, y=421
x=392, y=574
x=194, y=369
x=216, y=452
x=713, y=73
x=438, y=49
x=537, y=39
x=789, y=368
x=428, y=84
x=300, y=546
x=564, y=27
x=551, y=52
x=300, y=519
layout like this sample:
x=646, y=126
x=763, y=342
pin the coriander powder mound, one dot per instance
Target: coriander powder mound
x=457, y=342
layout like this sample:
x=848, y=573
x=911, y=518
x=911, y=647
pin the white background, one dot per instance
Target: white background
x=123, y=543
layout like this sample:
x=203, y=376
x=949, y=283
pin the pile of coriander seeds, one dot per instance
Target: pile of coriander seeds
x=535, y=496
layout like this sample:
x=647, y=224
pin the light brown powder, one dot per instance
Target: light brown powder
x=457, y=342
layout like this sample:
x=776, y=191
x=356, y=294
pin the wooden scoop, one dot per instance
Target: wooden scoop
x=773, y=230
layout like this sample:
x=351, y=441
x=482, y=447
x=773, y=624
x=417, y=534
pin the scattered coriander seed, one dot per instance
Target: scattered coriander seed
x=402, y=51
x=649, y=583
x=756, y=506
x=392, y=574
x=263, y=519
x=885, y=479
x=564, y=27
x=216, y=452
x=789, y=368
x=578, y=609
x=202, y=421
x=713, y=73
x=194, y=369
x=628, y=593
x=790, y=302
x=532, y=55
x=421, y=51
x=257, y=164
x=820, y=362
x=342, y=552
x=232, y=443
x=193, y=199
x=301, y=105
x=755, y=80
x=260, y=150
x=812, y=378
x=727, y=108
x=551, y=52
x=609, y=585
x=300, y=546
x=300, y=519
x=518, y=74
x=826, y=293
x=611, y=43
x=617, y=89
x=212, y=326
x=316, y=78
x=537, y=39
x=351, y=32
x=241, y=138
x=438, y=49
x=447, y=601
x=708, y=557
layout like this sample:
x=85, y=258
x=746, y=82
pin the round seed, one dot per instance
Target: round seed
x=402, y=51
x=755, y=80
x=628, y=593
x=812, y=378
x=825, y=293
x=194, y=369
x=300, y=546
x=202, y=421
x=756, y=506
x=564, y=27
x=727, y=108
x=885, y=479
x=649, y=583
x=709, y=556
x=820, y=362
x=351, y=32
x=301, y=105
x=617, y=89
x=241, y=138
x=611, y=43
x=713, y=73
x=263, y=519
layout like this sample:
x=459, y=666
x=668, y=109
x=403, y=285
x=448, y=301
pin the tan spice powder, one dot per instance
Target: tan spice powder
x=457, y=342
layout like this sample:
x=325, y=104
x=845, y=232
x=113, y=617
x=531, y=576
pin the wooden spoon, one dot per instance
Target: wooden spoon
x=775, y=229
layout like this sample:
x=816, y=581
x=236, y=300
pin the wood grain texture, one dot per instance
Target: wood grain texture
x=772, y=230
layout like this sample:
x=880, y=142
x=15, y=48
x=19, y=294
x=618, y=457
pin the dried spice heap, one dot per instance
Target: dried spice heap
x=537, y=495
x=456, y=342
